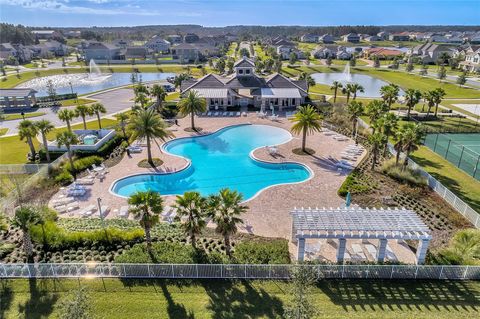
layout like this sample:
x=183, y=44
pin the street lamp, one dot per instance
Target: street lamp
x=71, y=88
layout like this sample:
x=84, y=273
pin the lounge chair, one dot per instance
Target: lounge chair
x=225, y=114
x=215, y=114
x=105, y=209
x=86, y=181
x=209, y=113
x=230, y=114
x=123, y=213
x=88, y=211
x=238, y=114
x=244, y=113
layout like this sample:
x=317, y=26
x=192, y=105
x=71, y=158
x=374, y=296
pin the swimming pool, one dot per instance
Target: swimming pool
x=220, y=160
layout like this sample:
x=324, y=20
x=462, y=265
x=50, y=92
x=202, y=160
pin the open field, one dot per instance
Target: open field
x=14, y=151
x=113, y=298
x=16, y=116
x=259, y=51
x=3, y=131
x=73, y=102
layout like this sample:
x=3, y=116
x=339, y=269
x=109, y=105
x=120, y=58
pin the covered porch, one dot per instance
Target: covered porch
x=279, y=99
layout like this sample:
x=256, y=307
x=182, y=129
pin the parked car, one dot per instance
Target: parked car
x=169, y=88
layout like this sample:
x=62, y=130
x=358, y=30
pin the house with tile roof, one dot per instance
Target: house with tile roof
x=245, y=88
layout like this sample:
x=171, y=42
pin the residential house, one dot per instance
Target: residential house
x=137, y=52
x=343, y=54
x=158, y=45
x=101, y=51
x=285, y=52
x=121, y=43
x=190, y=38
x=403, y=36
x=309, y=38
x=332, y=51
x=73, y=34
x=174, y=38
x=45, y=34
x=24, y=54
x=429, y=52
x=48, y=49
x=373, y=38
x=326, y=38
x=191, y=52
x=382, y=53
x=351, y=37
x=7, y=52
x=383, y=35
x=244, y=87
x=471, y=62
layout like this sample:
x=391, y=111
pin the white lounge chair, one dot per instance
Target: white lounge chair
x=230, y=114
x=105, y=209
x=238, y=113
x=123, y=213
x=86, y=181
x=88, y=211
x=209, y=113
x=215, y=114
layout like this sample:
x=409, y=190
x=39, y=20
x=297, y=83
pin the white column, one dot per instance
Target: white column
x=422, y=250
x=342, y=244
x=382, y=248
x=300, y=249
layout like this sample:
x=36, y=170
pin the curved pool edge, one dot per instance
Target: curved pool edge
x=189, y=162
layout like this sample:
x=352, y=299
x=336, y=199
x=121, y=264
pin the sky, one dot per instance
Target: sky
x=85, y=13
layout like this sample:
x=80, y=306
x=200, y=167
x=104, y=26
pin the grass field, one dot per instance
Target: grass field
x=172, y=96
x=16, y=116
x=449, y=104
x=3, y=131
x=14, y=151
x=112, y=298
x=73, y=102
x=91, y=125
x=259, y=51
x=231, y=49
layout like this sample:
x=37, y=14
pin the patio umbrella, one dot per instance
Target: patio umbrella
x=348, y=200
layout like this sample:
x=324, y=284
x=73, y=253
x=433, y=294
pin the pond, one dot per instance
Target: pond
x=84, y=83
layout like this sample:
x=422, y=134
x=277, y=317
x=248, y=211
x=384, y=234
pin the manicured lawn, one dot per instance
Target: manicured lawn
x=112, y=298
x=321, y=89
x=14, y=80
x=449, y=104
x=231, y=49
x=73, y=102
x=172, y=96
x=3, y=131
x=344, y=62
x=14, y=151
x=16, y=116
x=259, y=51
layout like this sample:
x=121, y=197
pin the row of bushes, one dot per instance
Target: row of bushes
x=352, y=185
x=105, y=149
x=403, y=175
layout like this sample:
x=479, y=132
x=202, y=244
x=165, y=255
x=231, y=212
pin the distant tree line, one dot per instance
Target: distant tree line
x=16, y=34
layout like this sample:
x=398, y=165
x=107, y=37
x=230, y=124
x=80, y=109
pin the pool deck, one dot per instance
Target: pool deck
x=269, y=211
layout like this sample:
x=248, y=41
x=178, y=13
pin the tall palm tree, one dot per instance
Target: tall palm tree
x=141, y=98
x=225, y=210
x=430, y=98
x=192, y=206
x=28, y=131
x=146, y=206
x=389, y=94
x=307, y=121
x=23, y=219
x=354, y=88
x=347, y=92
x=398, y=146
x=192, y=104
x=438, y=94
x=68, y=139
x=466, y=245
x=308, y=78
x=159, y=92
x=377, y=141
x=355, y=110
x=98, y=108
x=412, y=97
x=122, y=119
x=412, y=137
x=149, y=125
x=375, y=110
x=44, y=127
x=66, y=115
x=83, y=111
x=389, y=125
x=335, y=86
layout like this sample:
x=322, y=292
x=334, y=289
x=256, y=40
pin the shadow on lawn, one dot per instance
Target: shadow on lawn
x=381, y=295
x=6, y=297
x=41, y=302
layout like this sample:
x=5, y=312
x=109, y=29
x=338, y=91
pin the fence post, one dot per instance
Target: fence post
x=245, y=271
x=416, y=272
x=436, y=139
x=461, y=155
x=465, y=272
x=367, y=271
x=476, y=166
x=441, y=272
x=391, y=271
x=173, y=272
x=221, y=271
x=148, y=271
x=448, y=148
x=196, y=269
x=343, y=270
x=29, y=273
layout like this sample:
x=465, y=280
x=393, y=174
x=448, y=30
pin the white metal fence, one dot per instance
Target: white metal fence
x=233, y=271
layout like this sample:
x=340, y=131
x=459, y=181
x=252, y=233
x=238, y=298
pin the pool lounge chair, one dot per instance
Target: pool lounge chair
x=244, y=113
x=230, y=114
x=239, y=114
x=88, y=211
x=215, y=114
x=209, y=113
x=105, y=209
x=123, y=213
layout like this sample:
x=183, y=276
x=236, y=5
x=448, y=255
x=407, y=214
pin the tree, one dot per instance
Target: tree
x=389, y=94
x=354, y=88
x=77, y=304
x=259, y=66
x=149, y=125
x=423, y=70
x=66, y=115
x=122, y=119
x=412, y=97
x=443, y=58
x=68, y=139
x=409, y=67
x=353, y=61
x=429, y=97
x=462, y=78
x=389, y=124
x=192, y=206
x=347, y=92
x=355, y=110
x=24, y=218
x=146, y=207
x=98, y=108
x=464, y=248
x=178, y=80
x=293, y=58
x=376, y=62
x=220, y=65
x=377, y=141
x=83, y=111
x=302, y=280
x=52, y=92
x=374, y=110
x=442, y=73
x=160, y=94
x=28, y=131
x=438, y=95
x=225, y=210
x=328, y=61
x=335, y=86
x=229, y=64
x=398, y=146
x=308, y=78
x=307, y=121
x=192, y=104
x=44, y=127
x=412, y=136
x=268, y=64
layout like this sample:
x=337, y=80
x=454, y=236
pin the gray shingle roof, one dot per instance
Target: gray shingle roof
x=244, y=63
x=20, y=92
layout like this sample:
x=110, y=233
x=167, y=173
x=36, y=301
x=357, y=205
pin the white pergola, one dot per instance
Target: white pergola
x=359, y=223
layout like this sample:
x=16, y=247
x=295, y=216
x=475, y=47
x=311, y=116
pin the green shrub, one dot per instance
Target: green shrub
x=352, y=185
x=163, y=252
x=169, y=110
x=64, y=178
x=262, y=252
x=105, y=149
x=408, y=175
x=84, y=163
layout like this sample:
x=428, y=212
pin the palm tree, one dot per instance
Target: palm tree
x=355, y=110
x=377, y=141
x=466, y=245
x=438, y=94
x=192, y=206
x=307, y=121
x=141, y=98
x=66, y=115
x=83, y=111
x=159, y=92
x=308, y=78
x=68, y=139
x=398, y=146
x=146, y=206
x=375, y=109
x=225, y=210
x=389, y=94
x=192, y=104
x=122, y=119
x=389, y=124
x=98, y=108
x=149, y=125
x=412, y=137
x=44, y=127
x=412, y=97
x=23, y=219
x=335, y=86
x=354, y=88
x=28, y=131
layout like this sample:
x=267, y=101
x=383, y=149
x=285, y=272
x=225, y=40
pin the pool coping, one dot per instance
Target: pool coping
x=189, y=162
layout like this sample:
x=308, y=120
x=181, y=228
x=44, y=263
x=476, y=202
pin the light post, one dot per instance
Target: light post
x=71, y=88
x=102, y=218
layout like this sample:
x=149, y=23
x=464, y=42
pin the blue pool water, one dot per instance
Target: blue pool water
x=220, y=160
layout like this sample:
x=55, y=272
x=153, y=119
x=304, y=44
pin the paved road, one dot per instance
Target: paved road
x=115, y=100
